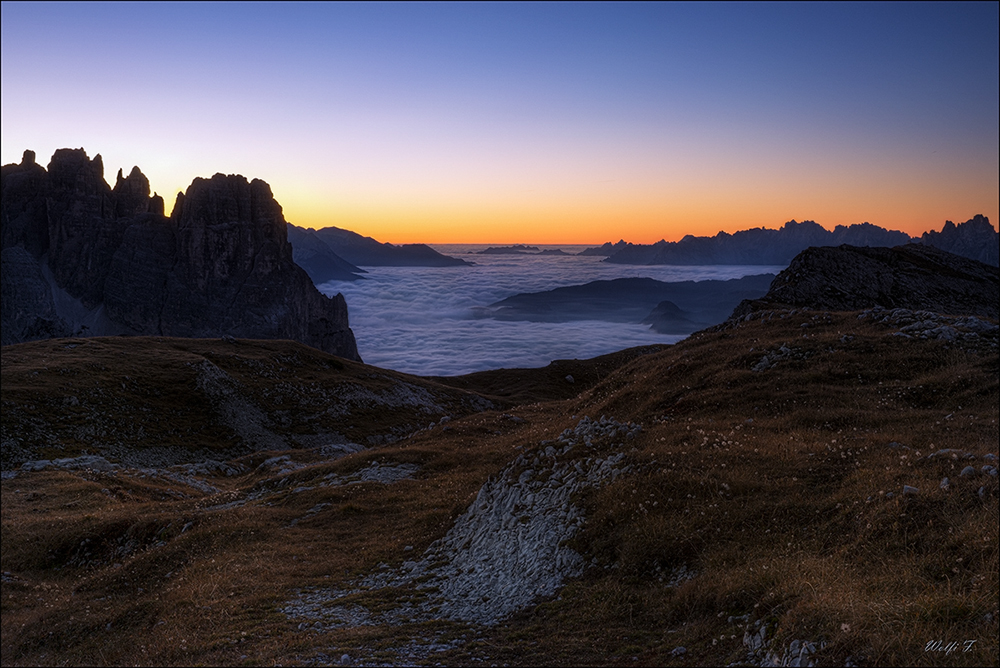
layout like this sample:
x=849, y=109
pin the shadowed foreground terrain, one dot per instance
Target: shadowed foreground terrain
x=803, y=485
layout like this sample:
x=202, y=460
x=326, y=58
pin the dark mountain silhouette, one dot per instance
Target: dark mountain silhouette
x=914, y=276
x=82, y=258
x=607, y=249
x=321, y=263
x=367, y=252
x=975, y=239
x=755, y=246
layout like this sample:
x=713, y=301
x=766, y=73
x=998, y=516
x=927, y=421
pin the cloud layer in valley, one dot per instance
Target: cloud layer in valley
x=431, y=321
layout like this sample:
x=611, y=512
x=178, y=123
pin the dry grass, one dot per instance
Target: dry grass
x=771, y=486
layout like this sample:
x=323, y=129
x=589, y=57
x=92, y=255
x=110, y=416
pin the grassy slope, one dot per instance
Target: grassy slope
x=64, y=397
x=771, y=486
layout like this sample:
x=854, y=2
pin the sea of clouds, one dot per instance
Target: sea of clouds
x=429, y=321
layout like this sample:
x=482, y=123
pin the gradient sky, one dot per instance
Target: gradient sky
x=534, y=123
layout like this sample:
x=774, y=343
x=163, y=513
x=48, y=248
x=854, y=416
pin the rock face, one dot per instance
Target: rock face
x=81, y=258
x=913, y=276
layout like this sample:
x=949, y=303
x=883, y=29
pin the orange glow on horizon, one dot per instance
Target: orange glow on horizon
x=593, y=227
x=647, y=208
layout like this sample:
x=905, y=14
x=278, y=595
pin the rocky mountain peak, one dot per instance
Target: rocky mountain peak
x=82, y=258
x=211, y=207
x=156, y=205
x=131, y=194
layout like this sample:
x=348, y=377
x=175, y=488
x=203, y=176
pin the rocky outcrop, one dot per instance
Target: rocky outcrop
x=913, y=276
x=975, y=239
x=81, y=258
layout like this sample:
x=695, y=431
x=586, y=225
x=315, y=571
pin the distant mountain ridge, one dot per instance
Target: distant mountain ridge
x=975, y=239
x=318, y=259
x=367, y=252
x=80, y=258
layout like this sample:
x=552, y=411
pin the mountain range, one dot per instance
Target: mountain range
x=975, y=239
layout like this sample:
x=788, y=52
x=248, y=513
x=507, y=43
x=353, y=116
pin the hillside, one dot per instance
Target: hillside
x=804, y=485
x=913, y=276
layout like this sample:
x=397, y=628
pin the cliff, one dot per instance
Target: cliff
x=81, y=258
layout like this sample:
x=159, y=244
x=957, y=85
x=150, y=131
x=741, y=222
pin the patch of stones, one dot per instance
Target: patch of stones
x=768, y=316
x=773, y=357
x=375, y=472
x=184, y=475
x=911, y=324
x=81, y=463
x=235, y=410
x=758, y=640
x=988, y=469
x=507, y=551
x=953, y=455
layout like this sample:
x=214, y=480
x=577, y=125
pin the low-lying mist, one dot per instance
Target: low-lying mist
x=429, y=321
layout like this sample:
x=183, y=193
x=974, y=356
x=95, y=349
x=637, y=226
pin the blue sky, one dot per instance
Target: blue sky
x=544, y=123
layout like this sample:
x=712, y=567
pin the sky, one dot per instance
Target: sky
x=527, y=123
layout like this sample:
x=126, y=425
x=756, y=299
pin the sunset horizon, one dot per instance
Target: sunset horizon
x=575, y=124
x=460, y=233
